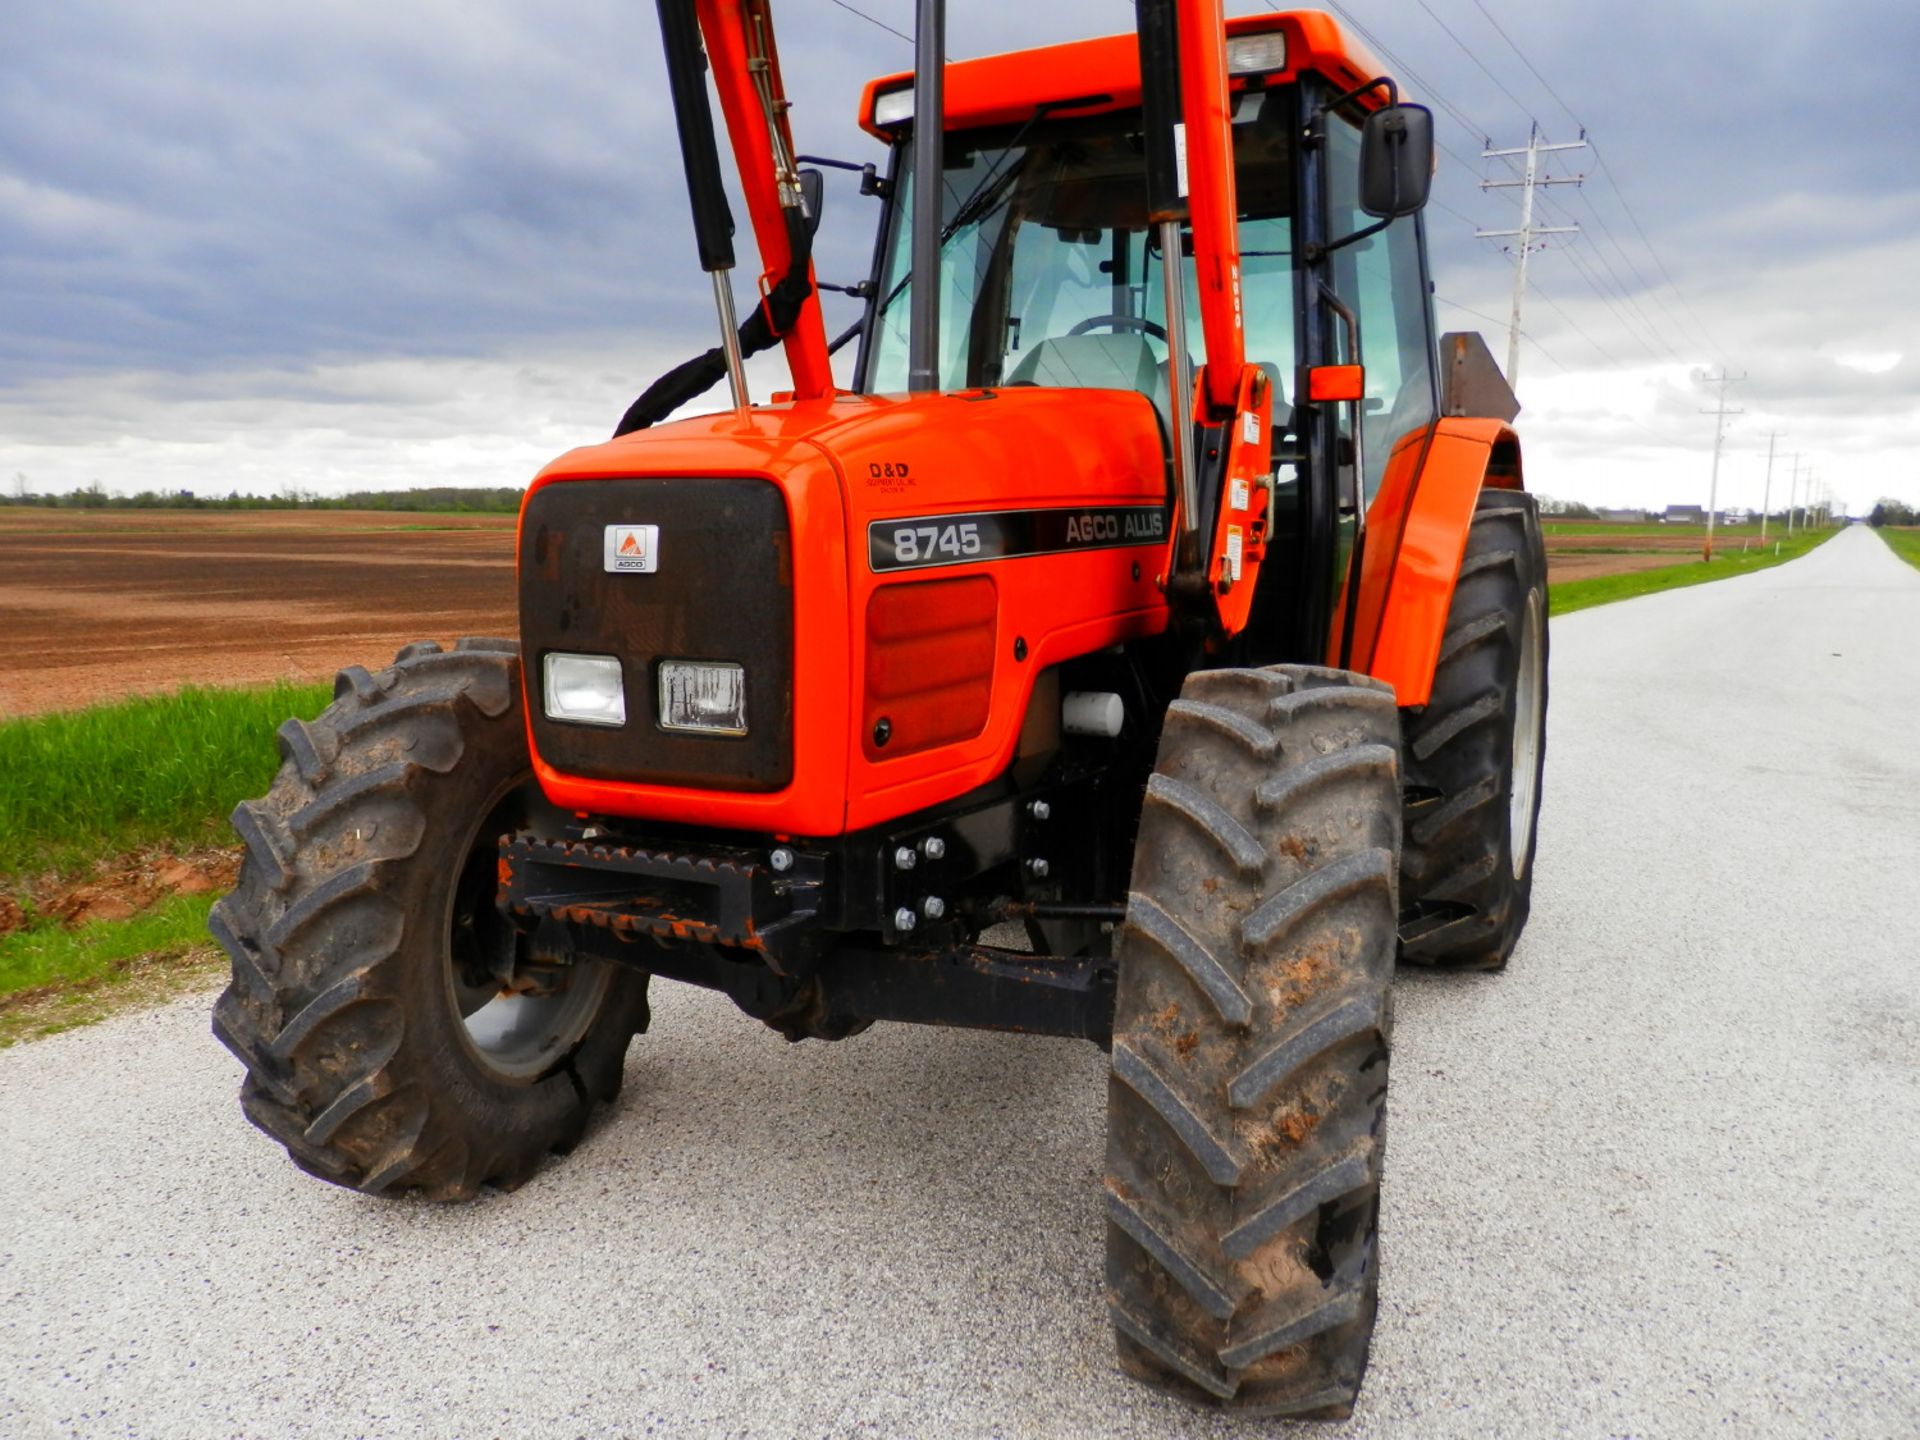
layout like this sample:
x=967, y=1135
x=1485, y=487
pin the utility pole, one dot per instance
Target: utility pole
x=1766, y=499
x=1793, y=489
x=1719, y=434
x=1533, y=150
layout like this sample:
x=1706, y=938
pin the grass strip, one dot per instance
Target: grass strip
x=1551, y=526
x=1903, y=542
x=1571, y=595
x=52, y=979
x=165, y=770
x=52, y=954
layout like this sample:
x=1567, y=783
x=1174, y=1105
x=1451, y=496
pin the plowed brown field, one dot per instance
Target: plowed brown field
x=99, y=604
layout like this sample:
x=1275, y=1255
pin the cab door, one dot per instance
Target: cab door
x=1380, y=316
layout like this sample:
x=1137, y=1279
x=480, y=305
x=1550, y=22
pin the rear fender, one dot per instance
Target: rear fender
x=1466, y=455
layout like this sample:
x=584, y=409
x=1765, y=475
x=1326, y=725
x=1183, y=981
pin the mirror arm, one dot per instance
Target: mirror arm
x=870, y=181
x=1314, y=254
x=1392, y=88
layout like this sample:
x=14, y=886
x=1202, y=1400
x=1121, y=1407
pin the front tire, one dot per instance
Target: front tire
x=1246, y=1111
x=1476, y=754
x=395, y=1034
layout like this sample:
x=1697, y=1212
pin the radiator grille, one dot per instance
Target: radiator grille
x=723, y=591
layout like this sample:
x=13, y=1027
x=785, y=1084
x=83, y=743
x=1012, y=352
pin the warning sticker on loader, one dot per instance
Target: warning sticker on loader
x=917, y=542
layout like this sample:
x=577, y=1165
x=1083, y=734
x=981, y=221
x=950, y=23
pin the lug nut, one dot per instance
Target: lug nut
x=1037, y=868
x=933, y=847
x=781, y=859
x=1040, y=810
x=905, y=858
x=933, y=907
x=904, y=919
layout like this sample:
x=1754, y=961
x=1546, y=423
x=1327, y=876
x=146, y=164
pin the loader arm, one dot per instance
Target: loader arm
x=745, y=65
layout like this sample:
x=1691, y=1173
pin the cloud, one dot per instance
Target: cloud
x=364, y=239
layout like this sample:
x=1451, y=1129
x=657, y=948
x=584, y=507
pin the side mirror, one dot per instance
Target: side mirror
x=1396, y=161
x=813, y=194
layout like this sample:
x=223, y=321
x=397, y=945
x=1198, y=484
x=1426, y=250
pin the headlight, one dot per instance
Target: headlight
x=704, y=696
x=585, y=689
x=1255, y=54
x=893, y=106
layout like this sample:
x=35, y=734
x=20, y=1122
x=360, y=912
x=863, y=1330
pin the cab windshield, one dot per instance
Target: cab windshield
x=1050, y=273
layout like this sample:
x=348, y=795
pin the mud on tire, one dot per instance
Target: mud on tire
x=1474, y=756
x=1246, y=1111
x=359, y=932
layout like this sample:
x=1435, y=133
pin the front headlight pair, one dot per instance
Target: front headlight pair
x=704, y=697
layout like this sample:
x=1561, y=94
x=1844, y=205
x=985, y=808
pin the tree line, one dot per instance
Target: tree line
x=500, y=499
x=1887, y=511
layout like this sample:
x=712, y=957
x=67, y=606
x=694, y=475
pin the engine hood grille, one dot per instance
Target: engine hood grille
x=721, y=590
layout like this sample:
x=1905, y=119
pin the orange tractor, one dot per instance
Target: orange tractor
x=1150, y=647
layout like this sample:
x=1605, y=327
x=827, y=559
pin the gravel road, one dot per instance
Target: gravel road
x=1660, y=1179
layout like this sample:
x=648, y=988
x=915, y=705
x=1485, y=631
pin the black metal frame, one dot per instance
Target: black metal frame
x=803, y=937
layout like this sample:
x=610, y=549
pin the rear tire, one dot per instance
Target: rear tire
x=1246, y=1112
x=381, y=1047
x=1475, y=755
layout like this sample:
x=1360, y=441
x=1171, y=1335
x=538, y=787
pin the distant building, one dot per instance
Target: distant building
x=1624, y=517
x=1685, y=515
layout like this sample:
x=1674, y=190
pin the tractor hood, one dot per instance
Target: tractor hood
x=873, y=581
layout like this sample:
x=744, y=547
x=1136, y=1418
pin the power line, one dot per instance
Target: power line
x=1467, y=122
x=1560, y=365
x=1679, y=294
x=1640, y=288
x=1464, y=120
x=855, y=10
x=1519, y=104
x=1630, y=294
x=1547, y=354
x=1646, y=327
x=1501, y=31
x=1578, y=328
x=1626, y=295
x=1614, y=182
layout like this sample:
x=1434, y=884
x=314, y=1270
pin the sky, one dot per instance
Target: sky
x=349, y=245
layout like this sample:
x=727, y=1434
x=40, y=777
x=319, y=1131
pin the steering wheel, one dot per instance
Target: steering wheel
x=1121, y=322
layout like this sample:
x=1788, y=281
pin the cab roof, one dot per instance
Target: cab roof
x=1105, y=72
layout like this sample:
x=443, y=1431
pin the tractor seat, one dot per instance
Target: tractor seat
x=1096, y=362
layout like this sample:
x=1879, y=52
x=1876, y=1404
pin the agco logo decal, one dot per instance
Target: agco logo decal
x=631, y=549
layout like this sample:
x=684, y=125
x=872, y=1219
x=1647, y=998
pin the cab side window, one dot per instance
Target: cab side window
x=1380, y=278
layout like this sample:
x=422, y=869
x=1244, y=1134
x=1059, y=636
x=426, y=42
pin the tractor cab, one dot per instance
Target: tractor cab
x=1054, y=274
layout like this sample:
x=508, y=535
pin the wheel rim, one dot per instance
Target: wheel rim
x=1529, y=692
x=517, y=1034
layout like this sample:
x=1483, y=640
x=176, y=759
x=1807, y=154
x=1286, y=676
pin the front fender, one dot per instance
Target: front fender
x=1466, y=455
